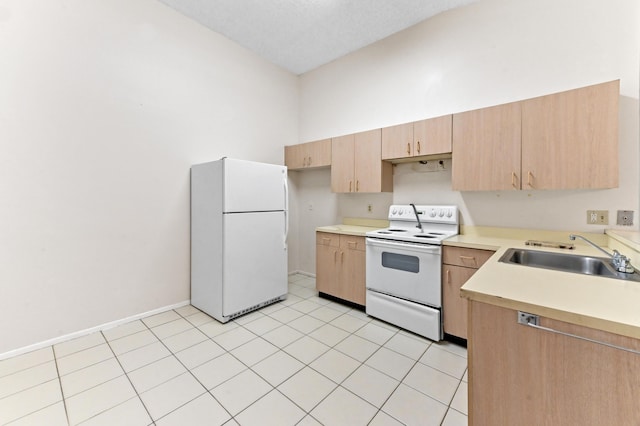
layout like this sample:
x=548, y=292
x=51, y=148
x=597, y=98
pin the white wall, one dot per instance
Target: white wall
x=104, y=106
x=487, y=53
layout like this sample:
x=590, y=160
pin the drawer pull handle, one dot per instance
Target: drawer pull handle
x=448, y=276
x=513, y=179
x=532, y=321
x=418, y=147
x=529, y=176
x=408, y=148
x=469, y=259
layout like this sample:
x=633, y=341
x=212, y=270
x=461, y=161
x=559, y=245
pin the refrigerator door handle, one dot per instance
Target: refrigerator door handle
x=286, y=210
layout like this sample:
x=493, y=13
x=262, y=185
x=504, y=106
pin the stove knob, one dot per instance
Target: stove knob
x=432, y=213
x=394, y=211
x=441, y=213
x=449, y=213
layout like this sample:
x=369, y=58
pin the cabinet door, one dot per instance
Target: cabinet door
x=397, y=141
x=517, y=372
x=352, y=277
x=327, y=262
x=454, y=307
x=294, y=157
x=371, y=173
x=432, y=136
x=570, y=139
x=319, y=153
x=486, y=149
x=342, y=164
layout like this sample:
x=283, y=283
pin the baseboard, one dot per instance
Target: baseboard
x=87, y=331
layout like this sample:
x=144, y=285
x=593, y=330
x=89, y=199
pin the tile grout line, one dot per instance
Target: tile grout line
x=64, y=399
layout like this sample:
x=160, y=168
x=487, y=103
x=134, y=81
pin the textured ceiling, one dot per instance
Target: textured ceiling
x=300, y=35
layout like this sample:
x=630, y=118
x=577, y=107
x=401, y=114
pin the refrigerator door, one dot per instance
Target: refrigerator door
x=255, y=260
x=253, y=187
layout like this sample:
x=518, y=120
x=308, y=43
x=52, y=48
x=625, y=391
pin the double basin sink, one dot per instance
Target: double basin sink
x=586, y=265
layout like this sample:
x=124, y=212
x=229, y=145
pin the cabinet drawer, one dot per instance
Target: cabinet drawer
x=327, y=239
x=350, y=242
x=460, y=256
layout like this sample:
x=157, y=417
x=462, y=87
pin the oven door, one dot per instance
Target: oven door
x=407, y=270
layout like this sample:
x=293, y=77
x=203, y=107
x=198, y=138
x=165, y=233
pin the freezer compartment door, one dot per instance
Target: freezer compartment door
x=254, y=259
x=250, y=186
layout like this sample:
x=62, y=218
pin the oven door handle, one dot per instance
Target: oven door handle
x=387, y=243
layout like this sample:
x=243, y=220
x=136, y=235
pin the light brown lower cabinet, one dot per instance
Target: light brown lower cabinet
x=521, y=375
x=340, y=266
x=458, y=265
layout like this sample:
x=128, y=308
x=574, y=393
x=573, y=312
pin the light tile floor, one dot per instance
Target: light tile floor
x=302, y=361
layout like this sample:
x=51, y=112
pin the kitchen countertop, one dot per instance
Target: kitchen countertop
x=601, y=303
x=354, y=226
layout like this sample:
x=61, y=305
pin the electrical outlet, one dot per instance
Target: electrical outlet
x=625, y=217
x=597, y=217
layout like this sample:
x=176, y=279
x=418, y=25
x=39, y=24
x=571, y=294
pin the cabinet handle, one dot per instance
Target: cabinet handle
x=357, y=185
x=448, y=276
x=341, y=257
x=408, y=148
x=418, y=147
x=531, y=320
x=352, y=244
x=513, y=179
x=309, y=162
x=529, y=176
x=463, y=258
x=335, y=253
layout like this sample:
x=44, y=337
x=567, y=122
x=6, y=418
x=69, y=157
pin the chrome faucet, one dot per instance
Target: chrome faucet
x=419, y=225
x=621, y=262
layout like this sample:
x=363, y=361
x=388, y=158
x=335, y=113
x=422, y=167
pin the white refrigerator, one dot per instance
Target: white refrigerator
x=238, y=236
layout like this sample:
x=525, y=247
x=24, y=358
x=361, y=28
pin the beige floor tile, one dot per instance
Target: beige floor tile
x=329, y=334
x=171, y=328
x=262, y=325
x=100, y=398
x=391, y=363
x=370, y=385
x=184, y=340
x=338, y=306
x=247, y=318
x=79, y=344
x=156, y=373
x=432, y=382
x=307, y=388
x=282, y=336
x=349, y=323
x=375, y=333
x=291, y=299
x=200, y=353
x=306, y=349
x=132, y=342
x=215, y=328
x=137, y=358
x=460, y=401
x=411, y=407
x=234, y=338
x=124, y=330
x=202, y=411
x=218, y=370
x=254, y=351
x=278, y=367
x=28, y=378
x=53, y=415
x=94, y=375
x=407, y=346
x=383, y=419
x=453, y=348
x=24, y=361
x=357, y=347
x=302, y=291
x=445, y=361
x=130, y=413
x=82, y=359
x=160, y=318
x=305, y=306
x=335, y=365
x=242, y=390
x=342, y=407
x=454, y=418
x=285, y=314
x=170, y=395
x=325, y=313
x=306, y=324
x=273, y=409
x=309, y=421
x=187, y=310
x=198, y=319
x=29, y=401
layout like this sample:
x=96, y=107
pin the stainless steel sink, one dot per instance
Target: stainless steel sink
x=587, y=265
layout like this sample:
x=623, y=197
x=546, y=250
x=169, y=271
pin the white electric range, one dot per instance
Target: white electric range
x=403, y=267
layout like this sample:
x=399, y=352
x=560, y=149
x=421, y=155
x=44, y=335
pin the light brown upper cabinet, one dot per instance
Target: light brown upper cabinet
x=486, y=149
x=308, y=155
x=567, y=140
x=570, y=139
x=357, y=166
x=422, y=138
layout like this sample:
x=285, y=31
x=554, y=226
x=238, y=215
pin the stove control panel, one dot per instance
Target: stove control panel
x=426, y=213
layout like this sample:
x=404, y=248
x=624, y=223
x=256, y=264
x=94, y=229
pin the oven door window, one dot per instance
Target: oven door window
x=401, y=262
